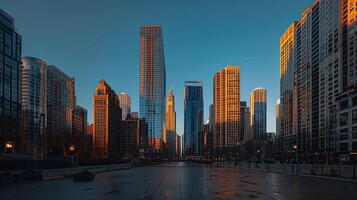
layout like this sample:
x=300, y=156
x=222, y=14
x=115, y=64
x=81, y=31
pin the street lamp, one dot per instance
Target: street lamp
x=9, y=147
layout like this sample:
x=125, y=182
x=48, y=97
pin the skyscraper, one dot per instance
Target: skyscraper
x=61, y=101
x=226, y=98
x=125, y=104
x=152, y=83
x=320, y=49
x=170, y=126
x=244, y=121
x=258, y=113
x=34, y=105
x=287, y=43
x=193, y=117
x=10, y=99
x=106, y=123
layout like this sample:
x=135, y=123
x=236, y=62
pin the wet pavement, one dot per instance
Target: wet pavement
x=184, y=181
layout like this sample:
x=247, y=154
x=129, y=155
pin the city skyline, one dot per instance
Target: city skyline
x=124, y=55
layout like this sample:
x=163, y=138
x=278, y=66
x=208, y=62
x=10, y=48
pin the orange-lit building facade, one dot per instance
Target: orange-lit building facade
x=226, y=99
x=287, y=43
x=317, y=108
x=106, y=123
x=170, y=135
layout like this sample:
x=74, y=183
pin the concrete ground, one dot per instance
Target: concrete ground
x=184, y=181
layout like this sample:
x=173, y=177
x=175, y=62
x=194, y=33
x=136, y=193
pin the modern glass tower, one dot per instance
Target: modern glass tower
x=193, y=122
x=258, y=113
x=152, y=83
x=34, y=105
x=10, y=101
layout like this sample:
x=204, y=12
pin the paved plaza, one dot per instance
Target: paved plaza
x=184, y=181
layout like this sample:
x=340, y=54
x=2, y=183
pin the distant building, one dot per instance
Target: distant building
x=132, y=137
x=258, y=113
x=125, y=104
x=209, y=131
x=10, y=98
x=79, y=120
x=107, y=119
x=178, y=146
x=270, y=136
x=227, y=116
x=152, y=83
x=193, y=117
x=134, y=114
x=61, y=100
x=277, y=117
x=90, y=129
x=170, y=135
x=34, y=106
x=80, y=139
x=244, y=121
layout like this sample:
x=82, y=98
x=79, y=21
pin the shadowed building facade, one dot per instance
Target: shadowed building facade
x=34, y=106
x=193, y=117
x=132, y=137
x=226, y=98
x=258, y=114
x=10, y=100
x=244, y=121
x=152, y=83
x=61, y=101
x=106, y=123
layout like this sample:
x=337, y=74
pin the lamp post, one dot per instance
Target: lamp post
x=258, y=157
x=72, y=150
x=296, y=156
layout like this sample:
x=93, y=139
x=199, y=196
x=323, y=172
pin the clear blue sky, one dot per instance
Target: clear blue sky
x=99, y=39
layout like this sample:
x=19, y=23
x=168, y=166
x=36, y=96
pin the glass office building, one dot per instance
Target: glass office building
x=34, y=105
x=152, y=83
x=193, y=122
x=10, y=100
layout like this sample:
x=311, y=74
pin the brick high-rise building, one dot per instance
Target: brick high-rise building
x=106, y=123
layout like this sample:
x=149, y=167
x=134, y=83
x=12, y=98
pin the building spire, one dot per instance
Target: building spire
x=171, y=91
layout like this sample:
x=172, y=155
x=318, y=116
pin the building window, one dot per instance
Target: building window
x=344, y=147
x=354, y=146
x=344, y=119
x=354, y=101
x=344, y=104
x=354, y=116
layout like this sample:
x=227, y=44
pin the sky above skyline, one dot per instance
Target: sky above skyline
x=93, y=40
